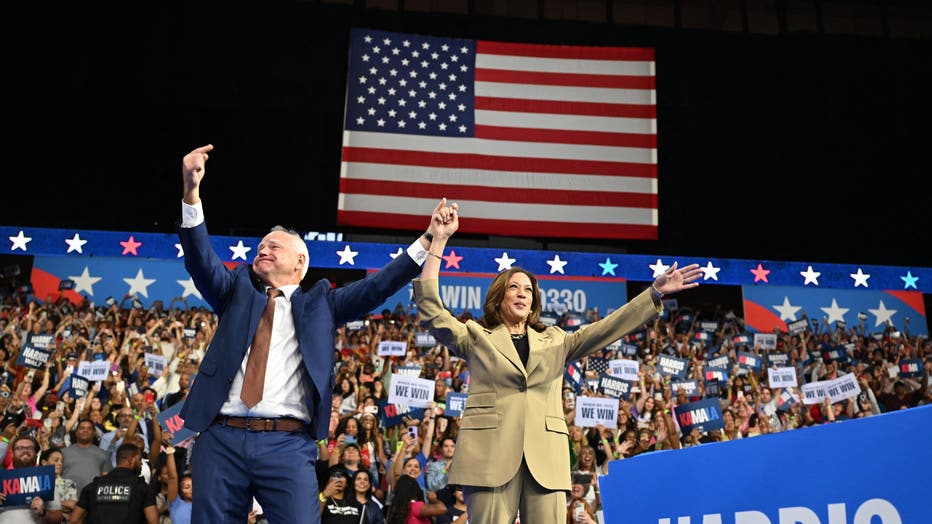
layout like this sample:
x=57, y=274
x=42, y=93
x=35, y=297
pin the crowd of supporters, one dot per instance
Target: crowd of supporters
x=366, y=461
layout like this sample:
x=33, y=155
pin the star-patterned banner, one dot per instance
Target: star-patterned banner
x=361, y=255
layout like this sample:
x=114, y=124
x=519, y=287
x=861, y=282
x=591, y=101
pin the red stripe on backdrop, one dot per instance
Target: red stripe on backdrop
x=761, y=318
x=518, y=228
x=560, y=136
x=912, y=298
x=498, y=194
x=557, y=51
x=555, y=107
x=497, y=163
x=565, y=79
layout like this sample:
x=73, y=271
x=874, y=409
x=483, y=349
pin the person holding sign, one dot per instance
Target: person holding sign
x=511, y=449
x=268, y=391
x=25, y=451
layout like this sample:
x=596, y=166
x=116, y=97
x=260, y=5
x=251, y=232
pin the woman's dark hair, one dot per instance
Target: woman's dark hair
x=44, y=457
x=406, y=490
x=491, y=312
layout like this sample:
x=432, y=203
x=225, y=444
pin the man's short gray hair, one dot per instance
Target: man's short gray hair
x=299, y=245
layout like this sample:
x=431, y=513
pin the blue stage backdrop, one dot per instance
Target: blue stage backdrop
x=864, y=471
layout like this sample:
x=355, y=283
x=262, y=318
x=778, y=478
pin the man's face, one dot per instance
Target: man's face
x=85, y=432
x=24, y=453
x=277, y=261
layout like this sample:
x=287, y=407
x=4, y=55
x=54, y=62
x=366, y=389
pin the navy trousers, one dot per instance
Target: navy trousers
x=230, y=466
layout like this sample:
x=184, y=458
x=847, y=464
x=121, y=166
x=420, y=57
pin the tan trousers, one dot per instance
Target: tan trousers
x=500, y=505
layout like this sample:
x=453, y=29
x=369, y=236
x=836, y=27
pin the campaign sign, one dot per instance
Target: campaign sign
x=456, y=403
x=784, y=377
x=93, y=371
x=672, y=366
x=33, y=357
x=841, y=388
x=777, y=359
x=40, y=340
x=713, y=388
x=615, y=387
x=392, y=348
x=355, y=325
x=410, y=391
x=592, y=411
x=155, y=364
x=765, y=341
x=20, y=485
x=748, y=360
x=626, y=369
x=690, y=387
x=393, y=414
x=719, y=362
x=705, y=414
x=629, y=350
x=79, y=386
x=835, y=354
x=889, y=487
x=741, y=340
x=411, y=370
x=715, y=374
x=785, y=400
x=797, y=327
x=423, y=339
x=911, y=367
x=171, y=420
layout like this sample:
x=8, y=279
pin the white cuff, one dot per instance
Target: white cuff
x=191, y=216
x=417, y=252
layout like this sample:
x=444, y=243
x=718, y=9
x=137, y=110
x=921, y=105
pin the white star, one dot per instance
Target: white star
x=860, y=279
x=84, y=282
x=139, y=284
x=75, y=243
x=19, y=241
x=239, y=251
x=396, y=253
x=347, y=256
x=556, y=265
x=504, y=262
x=180, y=250
x=709, y=271
x=882, y=313
x=659, y=267
x=189, y=288
x=812, y=277
x=787, y=310
x=835, y=313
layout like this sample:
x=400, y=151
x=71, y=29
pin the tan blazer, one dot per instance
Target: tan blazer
x=511, y=409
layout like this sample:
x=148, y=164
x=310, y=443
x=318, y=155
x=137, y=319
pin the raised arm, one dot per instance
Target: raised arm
x=193, y=169
x=443, y=223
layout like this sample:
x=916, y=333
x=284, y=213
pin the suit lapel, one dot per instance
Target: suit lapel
x=501, y=341
x=538, y=343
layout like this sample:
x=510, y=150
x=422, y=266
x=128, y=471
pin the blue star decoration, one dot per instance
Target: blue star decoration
x=909, y=281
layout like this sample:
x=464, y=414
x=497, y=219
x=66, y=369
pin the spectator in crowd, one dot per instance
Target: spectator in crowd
x=435, y=476
x=364, y=490
x=120, y=496
x=65, y=492
x=456, y=512
x=512, y=347
x=127, y=424
x=25, y=452
x=409, y=505
x=227, y=397
x=338, y=503
x=179, y=490
x=83, y=459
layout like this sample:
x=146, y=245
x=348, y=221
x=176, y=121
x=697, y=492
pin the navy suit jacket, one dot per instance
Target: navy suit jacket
x=235, y=296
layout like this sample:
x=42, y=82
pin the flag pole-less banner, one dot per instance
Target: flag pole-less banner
x=531, y=140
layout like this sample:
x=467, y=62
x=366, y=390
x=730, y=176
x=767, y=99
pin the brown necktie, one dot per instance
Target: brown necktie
x=254, y=379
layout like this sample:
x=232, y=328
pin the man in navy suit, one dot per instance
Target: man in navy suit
x=268, y=450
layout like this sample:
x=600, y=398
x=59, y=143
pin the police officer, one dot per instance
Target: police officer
x=121, y=496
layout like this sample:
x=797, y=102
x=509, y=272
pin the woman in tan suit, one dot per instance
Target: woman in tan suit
x=511, y=449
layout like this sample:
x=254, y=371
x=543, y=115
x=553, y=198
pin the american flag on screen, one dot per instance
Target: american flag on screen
x=529, y=139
